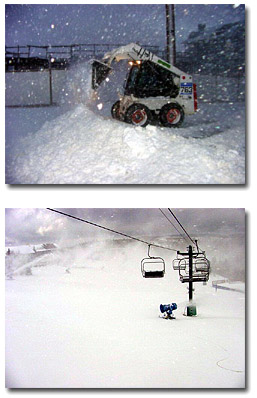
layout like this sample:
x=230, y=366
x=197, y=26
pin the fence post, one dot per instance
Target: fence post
x=50, y=80
x=238, y=85
x=216, y=88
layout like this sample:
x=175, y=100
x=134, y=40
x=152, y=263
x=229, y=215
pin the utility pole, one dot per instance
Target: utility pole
x=190, y=255
x=167, y=8
x=173, y=34
x=50, y=79
x=190, y=284
x=190, y=308
x=170, y=33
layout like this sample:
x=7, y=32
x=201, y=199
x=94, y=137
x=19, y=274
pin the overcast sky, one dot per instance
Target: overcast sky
x=55, y=24
x=33, y=226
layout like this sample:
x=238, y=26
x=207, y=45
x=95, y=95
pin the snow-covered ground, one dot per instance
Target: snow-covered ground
x=79, y=142
x=98, y=325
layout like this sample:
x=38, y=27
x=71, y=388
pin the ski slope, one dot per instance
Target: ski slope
x=88, y=319
x=79, y=142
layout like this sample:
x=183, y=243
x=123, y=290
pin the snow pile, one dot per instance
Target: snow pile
x=99, y=326
x=81, y=147
x=86, y=146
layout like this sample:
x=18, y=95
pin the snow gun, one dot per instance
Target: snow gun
x=167, y=310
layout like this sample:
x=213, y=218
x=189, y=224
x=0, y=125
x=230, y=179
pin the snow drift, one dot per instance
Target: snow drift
x=86, y=146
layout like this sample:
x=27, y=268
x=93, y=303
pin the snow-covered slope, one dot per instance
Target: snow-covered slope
x=98, y=325
x=84, y=145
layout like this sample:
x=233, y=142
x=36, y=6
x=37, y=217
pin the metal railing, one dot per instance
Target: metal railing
x=219, y=285
x=32, y=57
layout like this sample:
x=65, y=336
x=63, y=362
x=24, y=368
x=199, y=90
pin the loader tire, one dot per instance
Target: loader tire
x=115, y=111
x=171, y=115
x=138, y=115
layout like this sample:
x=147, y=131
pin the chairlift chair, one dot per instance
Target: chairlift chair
x=179, y=264
x=202, y=265
x=200, y=268
x=152, y=267
x=175, y=264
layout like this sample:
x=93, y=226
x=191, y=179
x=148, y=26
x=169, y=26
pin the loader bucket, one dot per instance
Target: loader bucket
x=99, y=72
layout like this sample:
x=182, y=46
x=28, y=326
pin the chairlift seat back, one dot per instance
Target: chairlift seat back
x=153, y=267
x=153, y=274
x=201, y=268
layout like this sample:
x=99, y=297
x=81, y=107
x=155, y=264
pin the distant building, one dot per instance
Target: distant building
x=44, y=247
x=215, y=51
x=27, y=249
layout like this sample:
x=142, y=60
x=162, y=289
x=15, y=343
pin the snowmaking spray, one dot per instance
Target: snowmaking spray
x=193, y=266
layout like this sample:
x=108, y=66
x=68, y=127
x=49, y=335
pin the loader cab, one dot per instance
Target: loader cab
x=146, y=79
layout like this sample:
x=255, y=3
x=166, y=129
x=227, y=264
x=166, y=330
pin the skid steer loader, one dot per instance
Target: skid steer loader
x=153, y=89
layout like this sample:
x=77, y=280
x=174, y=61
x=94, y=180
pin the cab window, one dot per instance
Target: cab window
x=154, y=81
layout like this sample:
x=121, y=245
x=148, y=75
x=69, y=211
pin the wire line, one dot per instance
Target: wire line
x=110, y=230
x=167, y=218
x=182, y=227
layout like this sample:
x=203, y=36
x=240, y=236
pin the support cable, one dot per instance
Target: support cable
x=182, y=227
x=111, y=230
x=172, y=224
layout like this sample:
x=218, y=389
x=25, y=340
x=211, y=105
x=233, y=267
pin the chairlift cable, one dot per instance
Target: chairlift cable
x=182, y=227
x=111, y=230
x=172, y=224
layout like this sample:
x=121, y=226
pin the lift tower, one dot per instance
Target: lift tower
x=192, y=267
